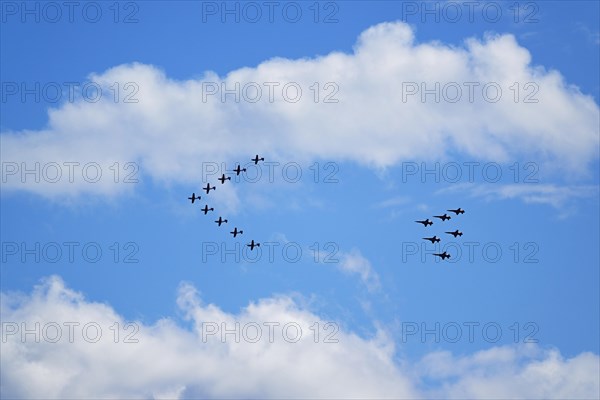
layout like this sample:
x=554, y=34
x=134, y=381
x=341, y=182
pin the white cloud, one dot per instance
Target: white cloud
x=514, y=372
x=171, y=131
x=394, y=201
x=354, y=263
x=591, y=36
x=170, y=361
x=554, y=195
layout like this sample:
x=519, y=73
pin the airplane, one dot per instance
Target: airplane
x=442, y=217
x=206, y=209
x=208, y=188
x=238, y=170
x=194, y=198
x=252, y=245
x=426, y=222
x=443, y=255
x=433, y=239
x=235, y=232
x=457, y=211
x=223, y=179
x=221, y=221
x=455, y=233
x=256, y=159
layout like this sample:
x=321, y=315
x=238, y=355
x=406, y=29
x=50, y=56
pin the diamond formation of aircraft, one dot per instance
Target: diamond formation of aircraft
x=436, y=239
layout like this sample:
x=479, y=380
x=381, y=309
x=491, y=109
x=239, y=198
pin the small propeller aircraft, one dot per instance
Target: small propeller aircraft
x=223, y=179
x=235, y=232
x=221, y=221
x=252, y=245
x=208, y=188
x=239, y=169
x=194, y=198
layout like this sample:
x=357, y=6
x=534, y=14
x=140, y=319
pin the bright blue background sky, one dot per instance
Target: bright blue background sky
x=560, y=293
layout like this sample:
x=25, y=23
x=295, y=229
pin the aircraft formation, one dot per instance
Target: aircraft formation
x=238, y=170
x=436, y=239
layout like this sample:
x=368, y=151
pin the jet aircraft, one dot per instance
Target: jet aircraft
x=455, y=233
x=426, y=222
x=443, y=217
x=443, y=255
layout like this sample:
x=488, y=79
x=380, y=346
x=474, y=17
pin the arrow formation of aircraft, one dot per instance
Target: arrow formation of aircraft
x=238, y=170
x=436, y=239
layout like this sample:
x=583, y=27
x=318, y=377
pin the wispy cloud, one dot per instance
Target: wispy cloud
x=592, y=36
x=354, y=263
x=554, y=195
x=394, y=201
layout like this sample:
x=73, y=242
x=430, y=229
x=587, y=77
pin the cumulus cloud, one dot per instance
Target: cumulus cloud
x=514, y=372
x=170, y=361
x=377, y=119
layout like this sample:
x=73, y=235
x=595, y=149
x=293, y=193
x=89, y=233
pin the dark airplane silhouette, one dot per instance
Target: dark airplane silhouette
x=194, y=198
x=221, y=221
x=223, y=179
x=208, y=188
x=206, y=209
x=426, y=222
x=235, y=232
x=457, y=211
x=256, y=159
x=442, y=217
x=443, y=255
x=239, y=169
x=252, y=245
x=455, y=233
x=433, y=239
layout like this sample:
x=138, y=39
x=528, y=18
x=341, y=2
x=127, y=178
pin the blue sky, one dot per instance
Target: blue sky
x=372, y=149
